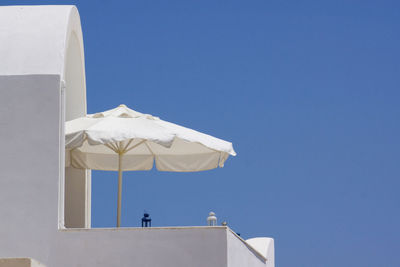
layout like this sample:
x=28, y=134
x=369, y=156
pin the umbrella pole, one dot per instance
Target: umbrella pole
x=119, y=189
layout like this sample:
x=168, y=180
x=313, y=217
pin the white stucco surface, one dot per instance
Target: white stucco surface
x=48, y=40
x=34, y=38
x=239, y=254
x=41, y=84
x=265, y=246
x=29, y=122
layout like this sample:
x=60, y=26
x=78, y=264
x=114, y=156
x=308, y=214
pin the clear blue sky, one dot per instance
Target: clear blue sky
x=307, y=91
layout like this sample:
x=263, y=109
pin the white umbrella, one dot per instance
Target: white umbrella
x=122, y=139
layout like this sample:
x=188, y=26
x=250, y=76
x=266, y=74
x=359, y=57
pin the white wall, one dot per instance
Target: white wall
x=35, y=38
x=40, y=47
x=48, y=40
x=29, y=136
x=77, y=205
x=266, y=247
x=29, y=158
x=240, y=254
x=151, y=247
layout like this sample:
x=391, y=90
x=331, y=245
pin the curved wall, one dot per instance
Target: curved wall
x=44, y=40
x=42, y=82
x=74, y=68
x=77, y=185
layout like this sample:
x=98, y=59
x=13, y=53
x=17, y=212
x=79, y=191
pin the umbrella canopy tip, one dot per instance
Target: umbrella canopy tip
x=122, y=106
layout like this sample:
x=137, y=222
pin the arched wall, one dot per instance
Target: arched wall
x=74, y=68
x=77, y=184
x=42, y=82
x=47, y=40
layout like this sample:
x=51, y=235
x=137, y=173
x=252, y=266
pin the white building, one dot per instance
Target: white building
x=45, y=207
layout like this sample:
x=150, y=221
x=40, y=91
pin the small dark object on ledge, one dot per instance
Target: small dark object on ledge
x=146, y=220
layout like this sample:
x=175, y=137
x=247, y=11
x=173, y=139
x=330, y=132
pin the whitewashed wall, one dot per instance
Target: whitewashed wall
x=33, y=108
x=29, y=181
x=48, y=40
x=29, y=164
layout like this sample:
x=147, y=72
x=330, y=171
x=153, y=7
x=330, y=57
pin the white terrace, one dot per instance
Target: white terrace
x=45, y=207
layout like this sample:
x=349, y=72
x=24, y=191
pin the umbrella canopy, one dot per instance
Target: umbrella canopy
x=122, y=139
x=94, y=141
